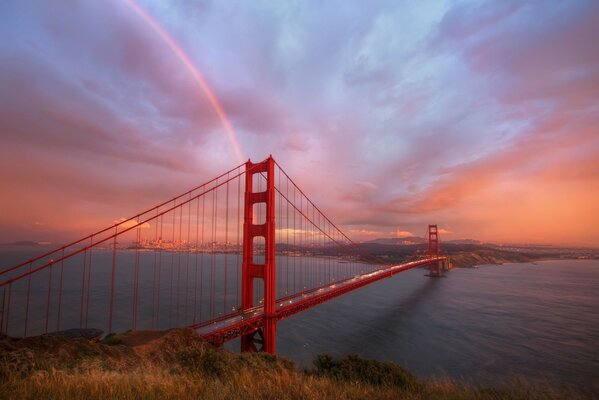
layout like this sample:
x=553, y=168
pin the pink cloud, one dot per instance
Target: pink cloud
x=99, y=121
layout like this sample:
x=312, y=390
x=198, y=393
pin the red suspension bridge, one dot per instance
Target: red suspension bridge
x=229, y=258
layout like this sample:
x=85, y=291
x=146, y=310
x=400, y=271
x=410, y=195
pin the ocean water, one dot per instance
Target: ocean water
x=484, y=325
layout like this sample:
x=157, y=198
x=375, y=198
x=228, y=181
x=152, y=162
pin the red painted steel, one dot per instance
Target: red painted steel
x=134, y=219
x=252, y=271
x=433, y=251
x=318, y=263
x=312, y=301
x=244, y=323
x=112, y=275
x=27, y=301
x=134, y=224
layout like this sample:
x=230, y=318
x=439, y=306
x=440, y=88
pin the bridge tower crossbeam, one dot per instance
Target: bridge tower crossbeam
x=262, y=339
x=435, y=267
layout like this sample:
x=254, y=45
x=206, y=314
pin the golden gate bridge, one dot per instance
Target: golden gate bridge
x=229, y=258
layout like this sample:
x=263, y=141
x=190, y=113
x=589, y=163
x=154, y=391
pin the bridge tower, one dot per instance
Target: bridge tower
x=264, y=337
x=433, y=251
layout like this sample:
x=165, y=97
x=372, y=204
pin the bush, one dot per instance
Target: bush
x=112, y=339
x=354, y=369
x=201, y=358
x=265, y=362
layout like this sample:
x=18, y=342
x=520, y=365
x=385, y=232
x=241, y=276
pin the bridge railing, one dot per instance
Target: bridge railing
x=177, y=264
x=313, y=251
x=145, y=269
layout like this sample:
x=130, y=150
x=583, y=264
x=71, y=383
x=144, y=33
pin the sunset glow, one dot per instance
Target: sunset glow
x=197, y=76
x=481, y=117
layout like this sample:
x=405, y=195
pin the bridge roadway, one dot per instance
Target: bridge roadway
x=230, y=326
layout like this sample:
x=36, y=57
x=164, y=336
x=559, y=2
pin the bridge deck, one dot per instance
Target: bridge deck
x=231, y=326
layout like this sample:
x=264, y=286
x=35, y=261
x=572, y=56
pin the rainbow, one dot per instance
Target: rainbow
x=193, y=70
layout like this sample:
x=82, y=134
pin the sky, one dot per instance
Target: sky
x=479, y=116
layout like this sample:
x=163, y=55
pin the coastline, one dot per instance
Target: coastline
x=179, y=364
x=475, y=259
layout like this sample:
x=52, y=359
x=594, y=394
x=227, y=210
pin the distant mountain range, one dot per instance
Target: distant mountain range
x=398, y=241
x=21, y=243
x=411, y=240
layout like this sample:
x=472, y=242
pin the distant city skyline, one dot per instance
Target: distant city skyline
x=479, y=116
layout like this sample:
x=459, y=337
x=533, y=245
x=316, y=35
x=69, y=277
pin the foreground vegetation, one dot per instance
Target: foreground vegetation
x=177, y=364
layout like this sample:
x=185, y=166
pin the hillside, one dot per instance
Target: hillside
x=178, y=364
x=470, y=253
x=462, y=255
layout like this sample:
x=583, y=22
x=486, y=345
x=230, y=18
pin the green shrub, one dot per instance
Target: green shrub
x=265, y=362
x=201, y=358
x=112, y=339
x=355, y=369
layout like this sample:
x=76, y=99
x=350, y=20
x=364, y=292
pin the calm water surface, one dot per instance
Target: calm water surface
x=485, y=325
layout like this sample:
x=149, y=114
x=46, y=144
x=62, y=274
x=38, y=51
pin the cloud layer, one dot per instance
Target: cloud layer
x=478, y=116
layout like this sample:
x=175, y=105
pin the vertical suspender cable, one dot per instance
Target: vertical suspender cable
x=226, y=244
x=197, y=249
x=82, y=289
x=112, y=282
x=59, y=291
x=89, y=279
x=47, y=299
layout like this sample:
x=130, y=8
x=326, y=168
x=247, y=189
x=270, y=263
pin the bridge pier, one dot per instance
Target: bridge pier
x=263, y=339
x=435, y=267
x=447, y=264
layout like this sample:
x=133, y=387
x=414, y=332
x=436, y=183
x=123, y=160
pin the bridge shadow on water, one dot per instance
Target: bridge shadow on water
x=384, y=324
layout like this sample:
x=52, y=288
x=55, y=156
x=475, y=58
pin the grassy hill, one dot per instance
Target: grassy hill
x=178, y=364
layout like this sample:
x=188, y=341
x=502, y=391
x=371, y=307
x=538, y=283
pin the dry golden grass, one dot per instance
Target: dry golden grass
x=178, y=365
